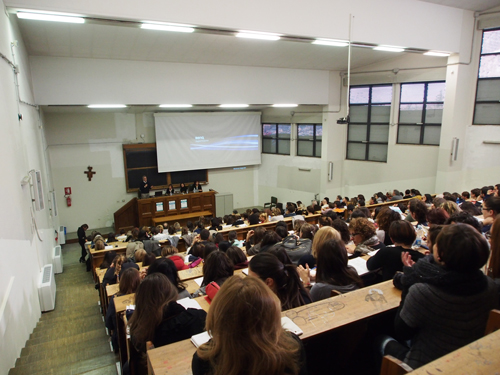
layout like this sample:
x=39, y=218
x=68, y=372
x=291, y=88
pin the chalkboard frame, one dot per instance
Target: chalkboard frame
x=130, y=149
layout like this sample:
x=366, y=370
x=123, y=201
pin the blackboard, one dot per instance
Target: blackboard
x=141, y=160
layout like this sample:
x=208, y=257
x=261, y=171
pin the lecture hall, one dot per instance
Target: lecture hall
x=267, y=106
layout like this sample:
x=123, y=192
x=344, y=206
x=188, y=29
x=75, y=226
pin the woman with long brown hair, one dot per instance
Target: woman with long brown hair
x=159, y=318
x=240, y=345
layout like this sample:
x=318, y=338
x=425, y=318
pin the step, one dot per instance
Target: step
x=35, y=350
x=47, y=360
x=64, y=340
x=106, y=370
x=68, y=329
x=44, y=326
x=79, y=367
x=92, y=308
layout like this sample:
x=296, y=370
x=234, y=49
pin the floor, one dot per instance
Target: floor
x=72, y=338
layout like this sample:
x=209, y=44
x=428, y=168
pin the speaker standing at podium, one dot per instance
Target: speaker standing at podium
x=145, y=187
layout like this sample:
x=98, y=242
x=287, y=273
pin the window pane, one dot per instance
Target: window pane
x=491, y=41
x=413, y=92
x=269, y=130
x=284, y=131
x=305, y=148
x=409, y=134
x=269, y=145
x=284, y=147
x=379, y=133
x=410, y=113
x=306, y=131
x=357, y=132
x=488, y=89
x=356, y=151
x=359, y=95
x=377, y=152
x=381, y=113
x=433, y=113
x=432, y=134
x=382, y=94
x=318, y=149
x=487, y=114
x=489, y=66
x=358, y=113
x=319, y=131
x=435, y=92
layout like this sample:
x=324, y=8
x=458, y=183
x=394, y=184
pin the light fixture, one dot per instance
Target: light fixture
x=233, y=105
x=49, y=17
x=257, y=35
x=331, y=42
x=285, y=105
x=107, y=106
x=175, y=105
x=168, y=27
x=389, y=49
x=435, y=53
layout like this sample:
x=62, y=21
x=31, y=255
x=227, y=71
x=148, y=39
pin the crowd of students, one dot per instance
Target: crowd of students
x=446, y=295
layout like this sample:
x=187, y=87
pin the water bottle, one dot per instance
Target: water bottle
x=418, y=240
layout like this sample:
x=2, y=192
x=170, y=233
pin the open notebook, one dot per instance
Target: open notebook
x=286, y=323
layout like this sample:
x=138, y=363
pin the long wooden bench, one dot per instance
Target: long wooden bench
x=314, y=319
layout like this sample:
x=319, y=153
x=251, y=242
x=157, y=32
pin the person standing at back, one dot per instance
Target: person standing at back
x=81, y=240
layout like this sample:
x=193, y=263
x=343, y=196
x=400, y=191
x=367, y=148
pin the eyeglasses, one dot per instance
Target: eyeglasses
x=355, y=234
x=486, y=209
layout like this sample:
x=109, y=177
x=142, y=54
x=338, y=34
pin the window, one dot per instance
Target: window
x=421, y=113
x=487, y=108
x=309, y=140
x=276, y=138
x=368, y=130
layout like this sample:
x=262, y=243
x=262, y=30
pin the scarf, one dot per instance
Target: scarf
x=365, y=246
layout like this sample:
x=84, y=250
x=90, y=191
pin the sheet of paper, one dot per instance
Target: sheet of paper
x=198, y=280
x=200, y=338
x=288, y=325
x=359, y=264
x=108, y=247
x=372, y=253
x=189, y=303
x=245, y=271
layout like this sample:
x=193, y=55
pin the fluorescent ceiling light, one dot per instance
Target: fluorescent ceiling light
x=285, y=105
x=257, y=35
x=435, y=53
x=176, y=105
x=233, y=105
x=107, y=106
x=168, y=27
x=331, y=42
x=49, y=17
x=389, y=49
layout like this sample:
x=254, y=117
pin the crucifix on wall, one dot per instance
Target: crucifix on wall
x=89, y=173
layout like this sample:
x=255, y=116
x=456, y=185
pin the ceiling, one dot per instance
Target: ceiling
x=475, y=5
x=132, y=43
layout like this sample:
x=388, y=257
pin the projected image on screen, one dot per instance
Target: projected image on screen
x=189, y=141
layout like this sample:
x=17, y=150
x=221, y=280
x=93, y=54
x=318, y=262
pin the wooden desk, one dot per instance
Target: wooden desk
x=479, y=358
x=313, y=319
x=181, y=219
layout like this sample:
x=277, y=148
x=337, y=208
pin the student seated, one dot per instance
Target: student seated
x=418, y=211
x=247, y=338
x=129, y=282
x=384, y=220
x=167, y=267
x=364, y=236
x=237, y=256
x=389, y=259
x=448, y=303
x=159, y=318
x=332, y=273
x=290, y=211
x=282, y=279
x=217, y=268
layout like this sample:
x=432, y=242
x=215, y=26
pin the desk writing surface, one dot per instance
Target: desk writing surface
x=315, y=318
x=479, y=358
x=111, y=290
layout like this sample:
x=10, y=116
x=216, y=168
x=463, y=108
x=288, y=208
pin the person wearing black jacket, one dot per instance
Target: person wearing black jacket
x=81, y=240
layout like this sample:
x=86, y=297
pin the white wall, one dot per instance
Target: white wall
x=87, y=81
x=409, y=23
x=22, y=252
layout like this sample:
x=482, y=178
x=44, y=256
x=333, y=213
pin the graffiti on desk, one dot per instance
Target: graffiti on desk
x=314, y=314
x=376, y=296
x=477, y=348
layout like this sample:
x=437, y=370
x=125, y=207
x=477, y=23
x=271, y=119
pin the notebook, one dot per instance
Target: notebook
x=200, y=338
x=359, y=264
x=189, y=303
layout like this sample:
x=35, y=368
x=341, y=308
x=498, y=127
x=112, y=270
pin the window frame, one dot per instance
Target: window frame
x=314, y=140
x=476, y=102
x=277, y=138
x=422, y=124
x=369, y=123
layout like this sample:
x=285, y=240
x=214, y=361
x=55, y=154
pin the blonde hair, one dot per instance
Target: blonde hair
x=322, y=235
x=139, y=255
x=268, y=348
x=99, y=244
